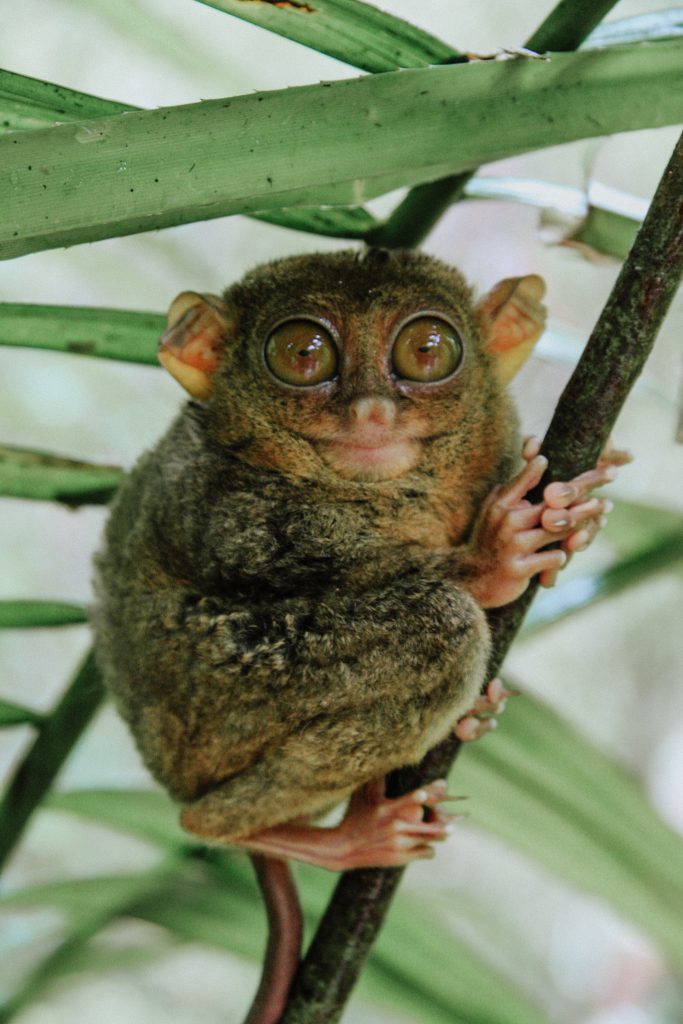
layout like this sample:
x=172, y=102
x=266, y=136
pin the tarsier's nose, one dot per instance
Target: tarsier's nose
x=372, y=410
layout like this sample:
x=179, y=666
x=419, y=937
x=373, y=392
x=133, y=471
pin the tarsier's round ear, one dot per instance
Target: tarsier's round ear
x=190, y=347
x=512, y=317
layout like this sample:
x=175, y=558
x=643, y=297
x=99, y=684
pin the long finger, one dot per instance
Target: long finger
x=580, y=539
x=614, y=456
x=540, y=562
x=530, y=447
x=433, y=830
x=561, y=520
x=564, y=494
x=427, y=796
x=514, y=490
x=525, y=516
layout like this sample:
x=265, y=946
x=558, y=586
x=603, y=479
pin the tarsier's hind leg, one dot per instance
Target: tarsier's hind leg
x=375, y=832
x=268, y=792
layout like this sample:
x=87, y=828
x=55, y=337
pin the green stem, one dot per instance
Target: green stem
x=54, y=742
x=25, y=473
x=568, y=24
x=613, y=359
x=33, y=614
x=565, y=28
x=83, y=331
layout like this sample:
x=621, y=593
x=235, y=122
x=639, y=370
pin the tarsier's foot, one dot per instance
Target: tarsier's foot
x=376, y=831
x=479, y=719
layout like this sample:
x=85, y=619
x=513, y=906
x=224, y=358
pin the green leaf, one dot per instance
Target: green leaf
x=59, y=732
x=440, y=978
x=605, y=231
x=355, y=139
x=643, y=28
x=27, y=103
x=597, y=219
x=582, y=591
x=147, y=814
x=15, y=714
x=42, y=476
x=549, y=792
x=218, y=905
x=440, y=981
x=83, y=331
x=84, y=900
x=565, y=28
x=30, y=614
x=568, y=24
x=418, y=965
x=349, y=222
x=88, y=905
x=351, y=31
x=646, y=540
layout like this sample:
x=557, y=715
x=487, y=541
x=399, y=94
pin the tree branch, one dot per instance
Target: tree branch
x=612, y=360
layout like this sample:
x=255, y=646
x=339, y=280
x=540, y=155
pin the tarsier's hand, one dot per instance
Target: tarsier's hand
x=510, y=541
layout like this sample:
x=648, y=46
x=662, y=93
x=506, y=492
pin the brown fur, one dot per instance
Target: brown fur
x=277, y=634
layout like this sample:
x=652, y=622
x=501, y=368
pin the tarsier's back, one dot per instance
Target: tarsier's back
x=282, y=613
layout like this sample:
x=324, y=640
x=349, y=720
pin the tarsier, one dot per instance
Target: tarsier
x=292, y=590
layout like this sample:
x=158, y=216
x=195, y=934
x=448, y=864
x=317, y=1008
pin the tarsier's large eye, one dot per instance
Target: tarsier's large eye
x=301, y=353
x=426, y=349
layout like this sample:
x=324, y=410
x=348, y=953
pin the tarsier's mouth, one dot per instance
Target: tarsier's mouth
x=363, y=459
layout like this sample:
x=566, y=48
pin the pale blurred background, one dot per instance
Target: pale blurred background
x=614, y=671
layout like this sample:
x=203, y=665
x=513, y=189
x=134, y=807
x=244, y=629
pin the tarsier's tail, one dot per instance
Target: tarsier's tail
x=284, y=939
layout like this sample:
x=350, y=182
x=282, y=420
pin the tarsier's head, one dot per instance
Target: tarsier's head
x=357, y=363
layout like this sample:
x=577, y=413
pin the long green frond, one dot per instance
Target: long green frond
x=45, y=477
x=355, y=139
x=356, y=33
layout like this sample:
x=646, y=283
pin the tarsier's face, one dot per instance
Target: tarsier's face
x=362, y=385
x=365, y=359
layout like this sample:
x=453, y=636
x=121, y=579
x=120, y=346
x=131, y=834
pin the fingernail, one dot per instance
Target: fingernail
x=602, y=522
x=607, y=506
x=566, y=492
x=558, y=524
x=421, y=795
x=611, y=473
x=563, y=560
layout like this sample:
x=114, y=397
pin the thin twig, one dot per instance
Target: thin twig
x=613, y=359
